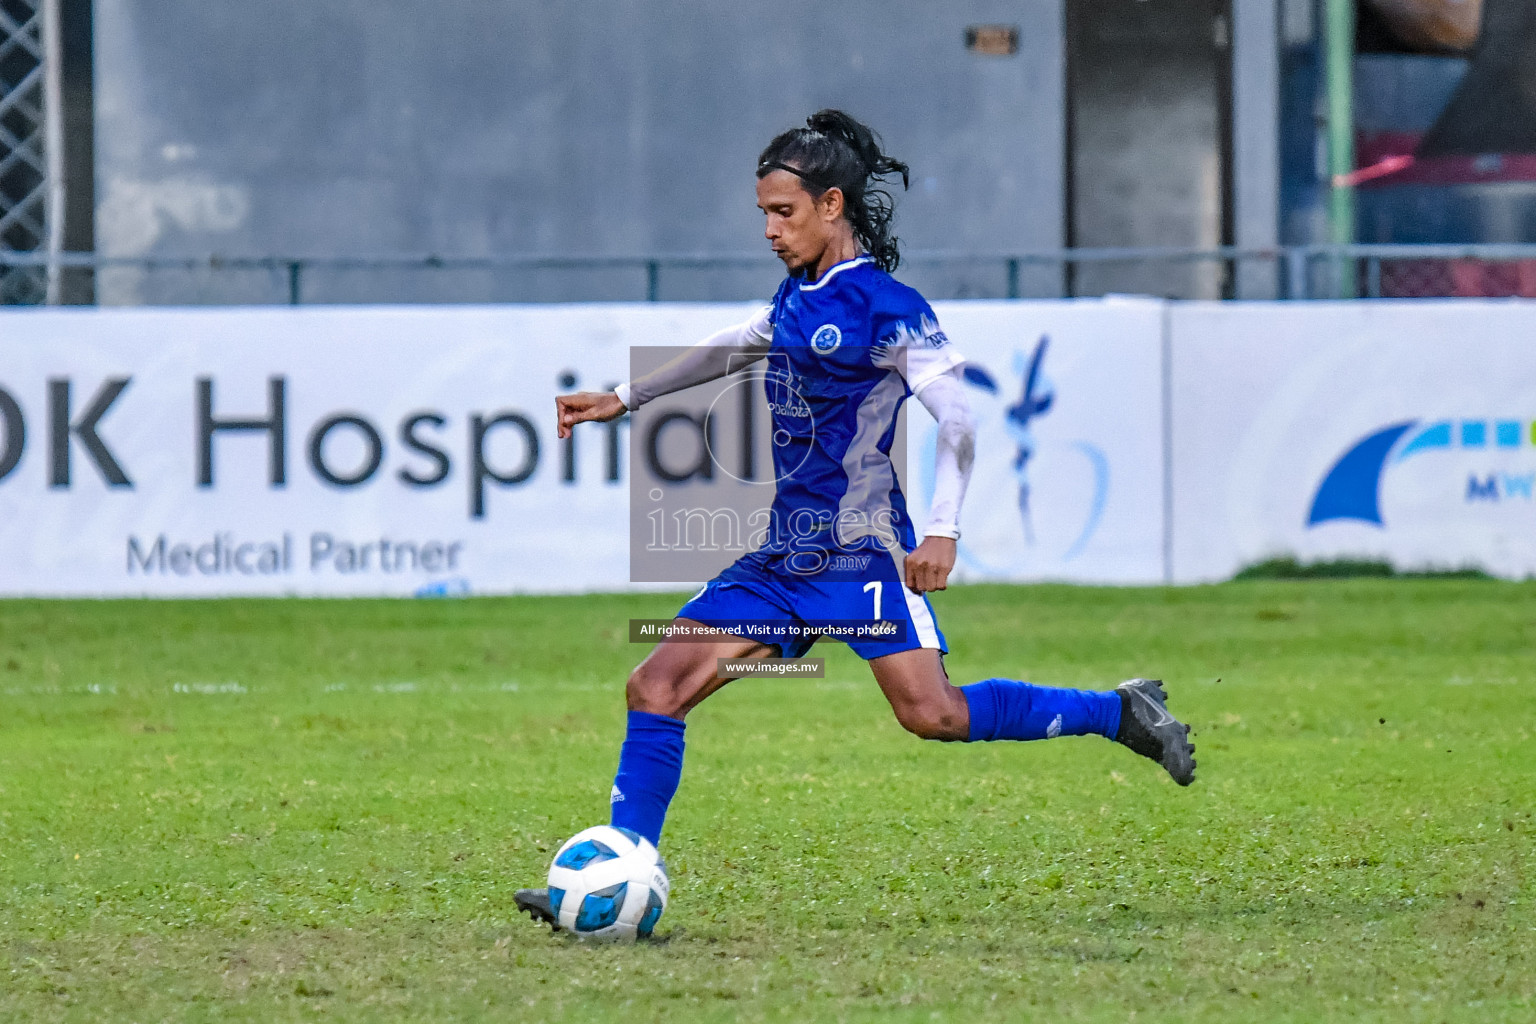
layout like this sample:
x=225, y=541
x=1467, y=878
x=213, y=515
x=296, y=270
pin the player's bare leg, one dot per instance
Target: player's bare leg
x=678, y=674
x=672, y=680
x=920, y=693
x=927, y=705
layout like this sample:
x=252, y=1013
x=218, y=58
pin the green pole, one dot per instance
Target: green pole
x=1340, y=41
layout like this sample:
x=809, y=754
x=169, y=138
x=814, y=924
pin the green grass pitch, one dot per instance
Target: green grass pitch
x=319, y=810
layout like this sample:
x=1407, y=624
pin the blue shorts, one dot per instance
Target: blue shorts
x=864, y=603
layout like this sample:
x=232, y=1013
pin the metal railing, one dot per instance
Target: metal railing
x=1292, y=272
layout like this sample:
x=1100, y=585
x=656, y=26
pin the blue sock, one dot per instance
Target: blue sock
x=650, y=767
x=1002, y=709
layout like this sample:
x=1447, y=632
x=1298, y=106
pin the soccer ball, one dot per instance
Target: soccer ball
x=608, y=884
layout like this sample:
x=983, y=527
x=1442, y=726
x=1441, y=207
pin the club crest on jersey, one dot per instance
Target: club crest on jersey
x=826, y=339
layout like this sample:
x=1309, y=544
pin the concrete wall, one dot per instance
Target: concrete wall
x=465, y=127
x=1149, y=157
x=1156, y=87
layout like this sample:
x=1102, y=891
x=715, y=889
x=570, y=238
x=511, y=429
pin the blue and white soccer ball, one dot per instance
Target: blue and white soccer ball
x=608, y=884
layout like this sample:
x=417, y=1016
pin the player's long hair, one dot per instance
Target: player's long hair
x=835, y=151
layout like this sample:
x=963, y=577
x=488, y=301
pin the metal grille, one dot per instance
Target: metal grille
x=1374, y=271
x=28, y=143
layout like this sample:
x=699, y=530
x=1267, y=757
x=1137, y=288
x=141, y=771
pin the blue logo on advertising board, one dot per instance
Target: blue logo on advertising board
x=1351, y=490
x=1036, y=396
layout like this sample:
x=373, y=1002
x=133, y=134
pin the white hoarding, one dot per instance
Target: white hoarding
x=1393, y=430
x=417, y=449
x=1068, y=480
x=406, y=450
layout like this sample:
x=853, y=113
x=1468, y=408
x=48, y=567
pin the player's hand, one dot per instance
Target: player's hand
x=598, y=406
x=928, y=567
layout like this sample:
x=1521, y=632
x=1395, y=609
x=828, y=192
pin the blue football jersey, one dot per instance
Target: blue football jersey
x=847, y=350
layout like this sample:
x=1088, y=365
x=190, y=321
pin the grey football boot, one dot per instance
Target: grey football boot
x=535, y=903
x=1147, y=727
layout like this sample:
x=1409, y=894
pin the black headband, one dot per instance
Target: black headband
x=797, y=172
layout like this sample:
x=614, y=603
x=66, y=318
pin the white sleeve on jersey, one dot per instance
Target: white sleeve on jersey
x=919, y=355
x=721, y=353
x=925, y=365
x=944, y=398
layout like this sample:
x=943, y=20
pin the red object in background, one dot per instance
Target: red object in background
x=1485, y=135
x=1466, y=278
x=1373, y=152
x=1386, y=160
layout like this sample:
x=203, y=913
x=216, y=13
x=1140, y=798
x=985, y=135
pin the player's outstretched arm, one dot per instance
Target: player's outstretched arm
x=718, y=355
x=585, y=407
